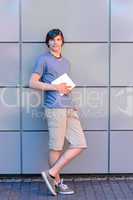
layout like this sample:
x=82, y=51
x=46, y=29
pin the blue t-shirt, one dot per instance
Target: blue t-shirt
x=49, y=68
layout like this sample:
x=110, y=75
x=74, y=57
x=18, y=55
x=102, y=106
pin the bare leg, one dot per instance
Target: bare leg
x=66, y=157
x=53, y=157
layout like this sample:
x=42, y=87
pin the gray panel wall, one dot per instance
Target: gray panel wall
x=98, y=43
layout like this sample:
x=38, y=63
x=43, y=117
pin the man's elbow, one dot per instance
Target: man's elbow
x=31, y=83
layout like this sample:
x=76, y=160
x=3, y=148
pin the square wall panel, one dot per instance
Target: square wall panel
x=94, y=71
x=121, y=108
x=92, y=104
x=35, y=152
x=79, y=21
x=10, y=153
x=95, y=156
x=93, y=107
x=89, y=63
x=9, y=62
x=9, y=109
x=9, y=20
x=94, y=159
x=121, y=160
x=33, y=116
x=121, y=64
x=30, y=53
x=122, y=20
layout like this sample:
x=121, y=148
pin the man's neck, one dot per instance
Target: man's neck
x=56, y=54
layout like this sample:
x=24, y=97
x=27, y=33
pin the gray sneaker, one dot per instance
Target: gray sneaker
x=63, y=188
x=50, y=182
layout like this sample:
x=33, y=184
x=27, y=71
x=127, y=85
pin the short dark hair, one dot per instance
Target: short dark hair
x=52, y=34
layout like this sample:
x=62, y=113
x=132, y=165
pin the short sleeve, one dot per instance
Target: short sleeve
x=39, y=66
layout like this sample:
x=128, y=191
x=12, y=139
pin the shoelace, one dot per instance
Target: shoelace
x=64, y=186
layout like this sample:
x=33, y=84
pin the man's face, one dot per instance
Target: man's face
x=56, y=44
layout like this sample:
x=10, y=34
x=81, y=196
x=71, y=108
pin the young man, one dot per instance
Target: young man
x=62, y=117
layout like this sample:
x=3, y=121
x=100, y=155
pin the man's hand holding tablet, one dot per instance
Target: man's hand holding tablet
x=66, y=81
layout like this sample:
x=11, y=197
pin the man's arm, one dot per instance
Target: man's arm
x=37, y=84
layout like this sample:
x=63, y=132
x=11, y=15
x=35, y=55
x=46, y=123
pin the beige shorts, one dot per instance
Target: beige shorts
x=64, y=123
